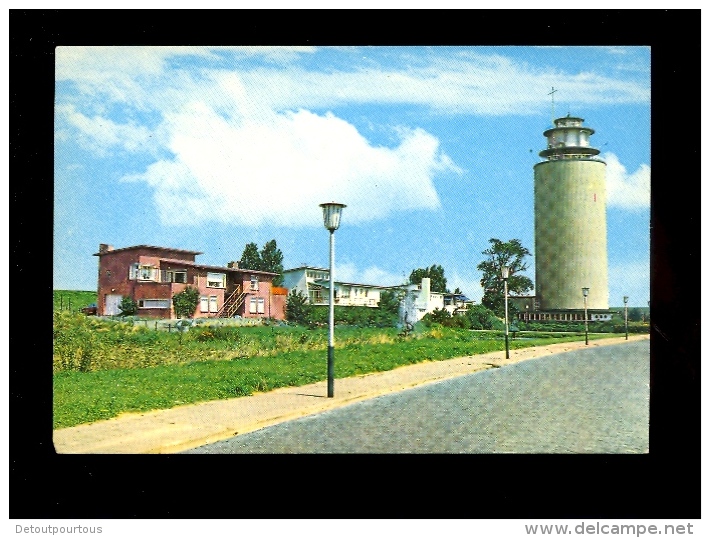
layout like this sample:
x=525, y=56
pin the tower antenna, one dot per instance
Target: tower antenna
x=552, y=93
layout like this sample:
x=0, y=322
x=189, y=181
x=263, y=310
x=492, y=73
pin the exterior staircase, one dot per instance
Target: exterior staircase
x=232, y=304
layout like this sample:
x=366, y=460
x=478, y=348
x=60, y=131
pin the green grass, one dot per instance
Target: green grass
x=72, y=300
x=104, y=368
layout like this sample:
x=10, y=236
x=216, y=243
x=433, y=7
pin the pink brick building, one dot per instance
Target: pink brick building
x=151, y=276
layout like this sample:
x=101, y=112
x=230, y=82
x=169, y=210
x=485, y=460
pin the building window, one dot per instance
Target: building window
x=204, y=303
x=252, y=305
x=146, y=272
x=213, y=303
x=216, y=280
x=260, y=305
x=154, y=303
x=315, y=295
x=254, y=283
x=179, y=277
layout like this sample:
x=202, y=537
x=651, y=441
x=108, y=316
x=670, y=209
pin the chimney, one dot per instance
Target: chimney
x=426, y=287
x=103, y=248
x=233, y=265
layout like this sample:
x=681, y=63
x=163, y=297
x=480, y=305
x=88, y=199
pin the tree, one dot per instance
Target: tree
x=298, y=310
x=389, y=302
x=500, y=254
x=635, y=314
x=480, y=317
x=272, y=260
x=128, y=306
x=435, y=273
x=185, y=302
x=250, y=258
x=269, y=259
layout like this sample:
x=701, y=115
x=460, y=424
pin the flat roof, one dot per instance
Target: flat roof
x=300, y=268
x=193, y=252
x=214, y=267
x=322, y=282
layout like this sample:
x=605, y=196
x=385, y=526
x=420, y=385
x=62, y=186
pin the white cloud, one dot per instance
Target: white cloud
x=258, y=166
x=624, y=190
x=491, y=85
x=348, y=272
x=100, y=134
x=247, y=150
x=466, y=81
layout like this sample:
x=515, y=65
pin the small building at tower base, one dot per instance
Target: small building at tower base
x=527, y=307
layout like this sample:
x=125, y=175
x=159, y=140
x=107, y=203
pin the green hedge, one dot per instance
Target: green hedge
x=612, y=326
x=356, y=316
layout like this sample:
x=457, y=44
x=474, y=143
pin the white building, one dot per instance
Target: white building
x=314, y=283
x=421, y=300
x=457, y=303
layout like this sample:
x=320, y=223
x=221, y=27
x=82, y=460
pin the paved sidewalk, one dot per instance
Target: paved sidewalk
x=181, y=428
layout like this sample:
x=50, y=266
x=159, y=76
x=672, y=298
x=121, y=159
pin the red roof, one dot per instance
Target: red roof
x=214, y=267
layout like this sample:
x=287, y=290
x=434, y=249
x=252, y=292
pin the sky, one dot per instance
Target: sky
x=431, y=149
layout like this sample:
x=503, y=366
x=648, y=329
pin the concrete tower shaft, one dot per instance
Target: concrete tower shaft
x=570, y=221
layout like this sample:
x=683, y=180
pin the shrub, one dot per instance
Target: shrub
x=185, y=302
x=481, y=318
x=355, y=316
x=389, y=302
x=207, y=334
x=128, y=306
x=438, y=316
x=297, y=308
x=75, y=342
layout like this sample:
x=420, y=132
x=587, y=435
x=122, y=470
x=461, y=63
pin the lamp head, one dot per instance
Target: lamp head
x=505, y=272
x=331, y=215
x=585, y=291
x=626, y=299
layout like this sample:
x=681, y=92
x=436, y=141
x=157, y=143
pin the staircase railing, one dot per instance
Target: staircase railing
x=232, y=304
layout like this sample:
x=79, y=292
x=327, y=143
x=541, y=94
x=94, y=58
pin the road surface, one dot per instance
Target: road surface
x=593, y=400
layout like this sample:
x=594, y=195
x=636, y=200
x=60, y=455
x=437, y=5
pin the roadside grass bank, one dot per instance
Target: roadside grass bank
x=72, y=300
x=104, y=368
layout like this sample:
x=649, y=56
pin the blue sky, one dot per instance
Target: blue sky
x=431, y=148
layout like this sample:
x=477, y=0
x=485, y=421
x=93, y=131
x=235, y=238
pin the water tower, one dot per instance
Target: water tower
x=570, y=224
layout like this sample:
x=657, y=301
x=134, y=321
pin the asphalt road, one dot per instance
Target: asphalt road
x=593, y=400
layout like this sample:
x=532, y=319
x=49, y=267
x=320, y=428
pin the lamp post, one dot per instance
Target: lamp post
x=626, y=315
x=505, y=272
x=331, y=221
x=585, y=292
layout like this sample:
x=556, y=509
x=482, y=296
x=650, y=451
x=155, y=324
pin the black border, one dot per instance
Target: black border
x=662, y=484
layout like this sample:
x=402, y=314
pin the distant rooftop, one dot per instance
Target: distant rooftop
x=109, y=249
x=215, y=267
x=301, y=267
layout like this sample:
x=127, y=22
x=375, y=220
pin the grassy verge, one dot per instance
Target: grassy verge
x=218, y=363
x=72, y=300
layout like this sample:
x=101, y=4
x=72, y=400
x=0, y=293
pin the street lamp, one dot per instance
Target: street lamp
x=585, y=292
x=331, y=221
x=626, y=315
x=505, y=272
